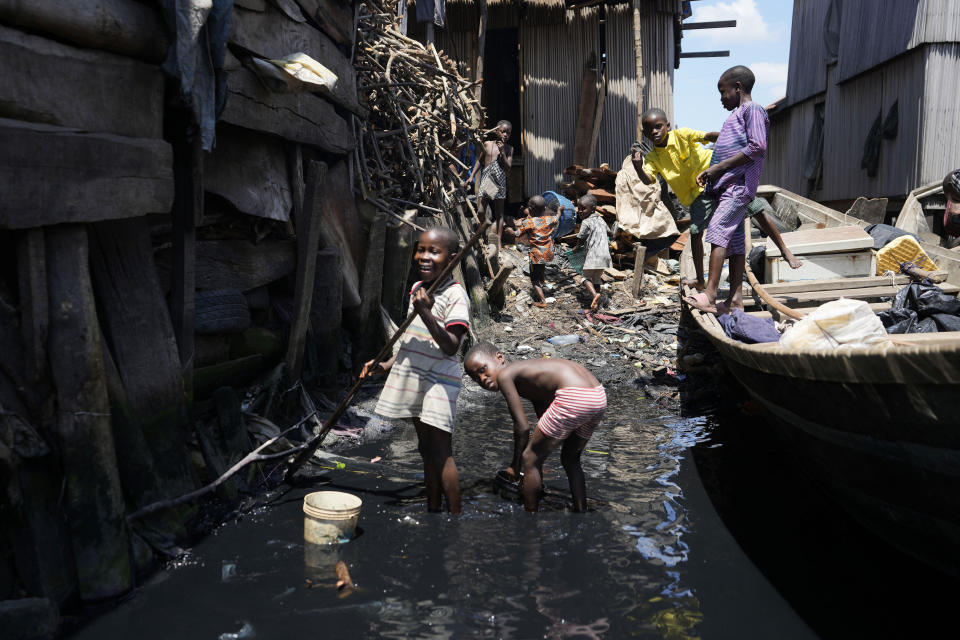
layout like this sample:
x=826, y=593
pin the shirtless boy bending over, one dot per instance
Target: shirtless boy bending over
x=569, y=402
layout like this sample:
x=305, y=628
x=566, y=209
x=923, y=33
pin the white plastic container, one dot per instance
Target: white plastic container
x=330, y=517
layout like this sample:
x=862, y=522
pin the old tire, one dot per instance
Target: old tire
x=221, y=311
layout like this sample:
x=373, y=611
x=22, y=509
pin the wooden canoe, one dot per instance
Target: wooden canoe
x=878, y=427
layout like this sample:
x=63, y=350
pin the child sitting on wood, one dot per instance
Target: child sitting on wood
x=569, y=402
x=596, y=235
x=537, y=229
x=425, y=374
x=678, y=156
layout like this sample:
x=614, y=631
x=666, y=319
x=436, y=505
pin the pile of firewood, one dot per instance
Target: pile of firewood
x=422, y=113
x=599, y=182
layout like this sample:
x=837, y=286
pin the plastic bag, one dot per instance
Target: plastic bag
x=839, y=323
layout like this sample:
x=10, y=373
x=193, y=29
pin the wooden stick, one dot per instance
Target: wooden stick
x=317, y=440
x=769, y=299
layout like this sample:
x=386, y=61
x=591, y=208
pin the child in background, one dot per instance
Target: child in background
x=732, y=180
x=425, y=375
x=951, y=213
x=678, y=156
x=494, y=165
x=595, y=234
x=569, y=402
x=537, y=229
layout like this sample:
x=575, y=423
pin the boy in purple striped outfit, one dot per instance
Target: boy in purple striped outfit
x=732, y=180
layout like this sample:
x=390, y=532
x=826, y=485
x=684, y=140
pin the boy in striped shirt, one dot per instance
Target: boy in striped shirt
x=569, y=402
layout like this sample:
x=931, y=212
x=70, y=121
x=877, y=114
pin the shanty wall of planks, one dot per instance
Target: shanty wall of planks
x=912, y=67
x=555, y=47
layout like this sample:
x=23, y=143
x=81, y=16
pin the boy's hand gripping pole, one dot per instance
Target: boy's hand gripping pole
x=315, y=442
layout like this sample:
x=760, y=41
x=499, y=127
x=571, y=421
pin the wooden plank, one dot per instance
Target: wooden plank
x=326, y=314
x=815, y=241
x=45, y=81
x=188, y=208
x=34, y=317
x=52, y=175
x=865, y=293
x=371, y=288
x=234, y=264
x=273, y=35
x=250, y=171
x=139, y=334
x=585, y=117
x=300, y=117
x=870, y=210
x=340, y=228
x=790, y=207
x=335, y=18
x=874, y=306
x=120, y=26
x=308, y=240
x=828, y=285
x=93, y=499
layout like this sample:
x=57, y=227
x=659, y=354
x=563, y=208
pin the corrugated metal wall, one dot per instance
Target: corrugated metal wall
x=658, y=57
x=940, y=145
x=787, y=145
x=554, y=58
x=873, y=31
x=807, y=73
x=618, y=128
x=937, y=21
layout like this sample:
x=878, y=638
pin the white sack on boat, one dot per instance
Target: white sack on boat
x=838, y=323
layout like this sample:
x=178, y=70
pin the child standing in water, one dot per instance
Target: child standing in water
x=494, y=166
x=425, y=375
x=569, y=402
x=596, y=235
x=732, y=180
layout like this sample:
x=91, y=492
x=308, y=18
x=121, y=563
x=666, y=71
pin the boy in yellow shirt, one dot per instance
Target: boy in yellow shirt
x=679, y=156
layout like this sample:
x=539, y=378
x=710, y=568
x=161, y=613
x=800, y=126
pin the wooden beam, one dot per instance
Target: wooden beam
x=308, y=240
x=188, y=208
x=705, y=54
x=93, y=499
x=250, y=171
x=298, y=117
x=481, y=44
x=272, y=35
x=716, y=24
x=233, y=264
x=335, y=18
x=46, y=81
x=51, y=175
x=120, y=26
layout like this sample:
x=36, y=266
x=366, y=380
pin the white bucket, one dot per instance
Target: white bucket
x=330, y=517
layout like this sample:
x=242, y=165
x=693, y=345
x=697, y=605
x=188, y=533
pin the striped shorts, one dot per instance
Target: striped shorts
x=574, y=409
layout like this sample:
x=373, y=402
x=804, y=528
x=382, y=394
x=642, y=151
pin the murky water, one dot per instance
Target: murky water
x=653, y=560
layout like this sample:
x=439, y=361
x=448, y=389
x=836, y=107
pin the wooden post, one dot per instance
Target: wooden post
x=143, y=350
x=638, y=65
x=371, y=289
x=32, y=274
x=93, y=498
x=326, y=314
x=481, y=45
x=187, y=209
x=308, y=240
x=638, y=261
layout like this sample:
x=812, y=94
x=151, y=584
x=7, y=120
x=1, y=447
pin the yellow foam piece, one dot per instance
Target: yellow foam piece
x=903, y=249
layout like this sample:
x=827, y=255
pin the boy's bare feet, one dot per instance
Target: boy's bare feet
x=595, y=303
x=540, y=305
x=791, y=259
x=701, y=302
x=699, y=285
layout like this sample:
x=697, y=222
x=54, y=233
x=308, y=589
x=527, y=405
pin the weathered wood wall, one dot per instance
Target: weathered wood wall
x=124, y=232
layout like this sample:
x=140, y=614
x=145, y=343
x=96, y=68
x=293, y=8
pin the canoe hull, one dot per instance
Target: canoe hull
x=888, y=453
